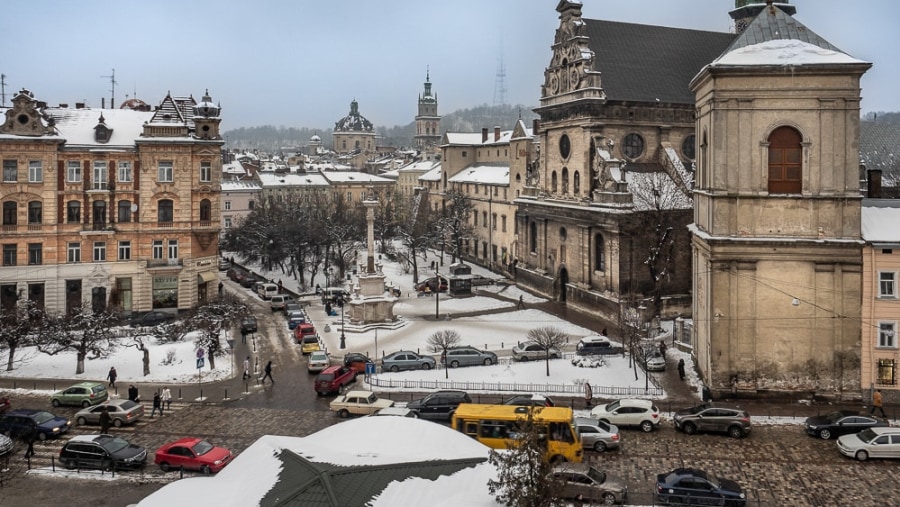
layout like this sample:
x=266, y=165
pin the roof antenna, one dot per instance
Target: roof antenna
x=113, y=83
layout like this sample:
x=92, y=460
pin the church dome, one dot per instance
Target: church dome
x=353, y=122
x=315, y=139
x=206, y=108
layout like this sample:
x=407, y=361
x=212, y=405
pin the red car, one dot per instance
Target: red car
x=192, y=454
x=334, y=378
x=4, y=405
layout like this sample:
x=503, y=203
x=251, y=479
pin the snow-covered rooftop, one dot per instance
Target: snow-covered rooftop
x=490, y=174
x=76, y=126
x=292, y=180
x=879, y=221
x=352, y=177
x=783, y=52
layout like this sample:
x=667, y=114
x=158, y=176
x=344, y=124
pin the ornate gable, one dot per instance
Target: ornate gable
x=571, y=68
x=25, y=118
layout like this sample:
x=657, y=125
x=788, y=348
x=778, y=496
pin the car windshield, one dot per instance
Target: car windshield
x=712, y=479
x=602, y=425
x=202, y=447
x=866, y=435
x=596, y=475
x=127, y=404
x=42, y=417
x=115, y=444
x=326, y=377
x=310, y=339
x=612, y=406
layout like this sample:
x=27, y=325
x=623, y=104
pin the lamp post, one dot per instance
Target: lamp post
x=343, y=337
x=437, y=293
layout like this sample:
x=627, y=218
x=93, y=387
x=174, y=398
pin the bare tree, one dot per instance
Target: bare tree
x=210, y=320
x=416, y=233
x=455, y=224
x=442, y=341
x=17, y=325
x=88, y=334
x=547, y=338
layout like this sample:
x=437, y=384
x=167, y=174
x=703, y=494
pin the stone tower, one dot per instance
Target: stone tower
x=428, y=123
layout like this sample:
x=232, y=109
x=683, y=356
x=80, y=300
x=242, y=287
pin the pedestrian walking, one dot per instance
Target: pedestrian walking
x=32, y=436
x=588, y=394
x=268, y=374
x=105, y=421
x=280, y=287
x=133, y=394
x=662, y=348
x=521, y=304
x=681, y=368
x=878, y=403
x=166, y=397
x=111, y=376
x=221, y=288
x=247, y=368
x=157, y=405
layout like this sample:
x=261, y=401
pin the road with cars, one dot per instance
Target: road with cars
x=778, y=465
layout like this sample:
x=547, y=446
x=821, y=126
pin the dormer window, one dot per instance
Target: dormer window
x=101, y=134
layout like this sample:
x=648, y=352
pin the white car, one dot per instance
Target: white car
x=530, y=351
x=655, y=362
x=398, y=412
x=878, y=442
x=318, y=361
x=358, y=403
x=629, y=412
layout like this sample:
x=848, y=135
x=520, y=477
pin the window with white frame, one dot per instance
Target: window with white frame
x=173, y=248
x=124, y=250
x=887, y=335
x=205, y=171
x=125, y=173
x=74, y=252
x=73, y=171
x=227, y=222
x=101, y=175
x=165, y=171
x=100, y=251
x=887, y=284
x=157, y=249
x=227, y=205
x=35, y=171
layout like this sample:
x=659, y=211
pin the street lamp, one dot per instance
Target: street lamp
x=343, y=337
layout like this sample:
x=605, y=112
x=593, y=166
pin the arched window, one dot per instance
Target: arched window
x=553, y=182
x=532, y=237
x=576, y=183
x=599, y=256
x=35, y=212
x=165, y=211
x=205, y=210
x=785, y=161
x=565, y=180
x=73, y=212
x=10, y=212
x=124, y=211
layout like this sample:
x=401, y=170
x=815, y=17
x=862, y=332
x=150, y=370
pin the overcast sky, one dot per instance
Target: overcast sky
x=299, y=63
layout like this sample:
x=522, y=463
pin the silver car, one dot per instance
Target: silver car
x=531, y=351
x=120, y=412
x=589, y=485
x=468, y=356
x=596, y=434
x=879, y=442
x=406, y=360
x=6, y=444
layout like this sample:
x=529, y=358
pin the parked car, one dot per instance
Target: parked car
x=530, y=400
x=295, y=318
x=598, y=345
x=531, y=351
x=5, y=404
x=692, y=486
x=357, y=361
x=249, y=325
x=334, y=379
x=596, y=434
x=841, y=422
x=878, y=442
x=104, y=452
x=318, y=361
x=22, y=422
x=152, y=319
x=250, y=280
x=467, y=356
x=6, y=445
x=235, y=274
x=585, y=483
x=397, y=412
x=713, y=417
x=224, y=264
x=192, y=454
x=439, y=404
x=278, y=301
x=309, y=344
x=83, y=394
x=292, y=306
x=406, y=360
x=629, y=412
x=654, y=361
x=358, y=403
x=267, y=290
x=432, y=284
x=121, y=411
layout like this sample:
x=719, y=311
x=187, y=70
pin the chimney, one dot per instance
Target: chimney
x=102, y=102
x=535, y=126
x=484, y=134
x=496, y=133
x=63, y=105
x=79, y=105
x=874, y=187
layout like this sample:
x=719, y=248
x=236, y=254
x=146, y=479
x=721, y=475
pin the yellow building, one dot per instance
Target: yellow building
x=110, y=207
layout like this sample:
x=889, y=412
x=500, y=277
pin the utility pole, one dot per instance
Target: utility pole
x=113, y=83
x=2, y=90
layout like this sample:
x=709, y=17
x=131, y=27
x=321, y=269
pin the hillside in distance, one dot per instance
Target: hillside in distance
x=271, y=139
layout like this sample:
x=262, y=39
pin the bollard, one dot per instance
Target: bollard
x=179, y=394
x=226, y=394
x=201, y=395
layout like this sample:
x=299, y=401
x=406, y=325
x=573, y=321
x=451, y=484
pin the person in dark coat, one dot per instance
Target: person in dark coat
x=268, y=374
x=133, y=393
x=111, y=376
x=32, y=436
x=157, y=405
x=105, y=421
x=681, y=368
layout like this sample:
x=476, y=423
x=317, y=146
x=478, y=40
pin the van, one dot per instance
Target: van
x=598, y=345
x=333, y=294
x=277, y=302
x=267, y=290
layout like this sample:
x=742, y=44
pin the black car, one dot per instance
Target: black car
x=439, y=404
x=21, y=423
x=692, y=486
x=248, y=325
x=153, y=318
x=841, y=422
x=104, y=452
x=530, y=400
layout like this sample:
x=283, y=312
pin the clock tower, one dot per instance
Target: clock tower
x=428, y=123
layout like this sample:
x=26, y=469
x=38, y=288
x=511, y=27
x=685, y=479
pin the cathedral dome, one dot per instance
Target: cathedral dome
x=353, y=122
x=206, y=108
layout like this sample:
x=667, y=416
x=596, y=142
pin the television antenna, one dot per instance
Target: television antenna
x=112, y=83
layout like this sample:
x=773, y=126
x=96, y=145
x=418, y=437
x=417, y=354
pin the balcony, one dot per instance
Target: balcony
x=163, y=263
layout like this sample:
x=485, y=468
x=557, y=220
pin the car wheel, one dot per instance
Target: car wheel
x=81, y=421
x=56, y=403
x=488, y=362
x=454, y=364
x=427, y=366
x=599, y=446
x=395, y=368
x=205, y=470
x=689, y=428
x=343, y=413
x=85, y=404
x=117, y=423
x=862, y=455
x=609, y=499
x=164, y=466
x=42, y=436
x=524, y=359
x=735, y=432
x=825, y=434
x=414, y=415
x=647, y=426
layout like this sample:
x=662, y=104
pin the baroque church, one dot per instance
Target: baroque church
x=675, y=174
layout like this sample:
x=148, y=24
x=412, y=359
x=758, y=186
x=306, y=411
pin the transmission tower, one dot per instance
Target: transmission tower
x=113, y=83
x=500, y=84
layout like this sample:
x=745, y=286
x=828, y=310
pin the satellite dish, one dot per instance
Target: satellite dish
x=133, y=208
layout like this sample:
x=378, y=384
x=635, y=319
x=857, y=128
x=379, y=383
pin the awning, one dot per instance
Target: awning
x=206, y=276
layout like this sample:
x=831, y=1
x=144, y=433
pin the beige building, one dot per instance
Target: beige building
x=354, y=138
x=110, y=207
x=239, y=198
x=777, y=252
